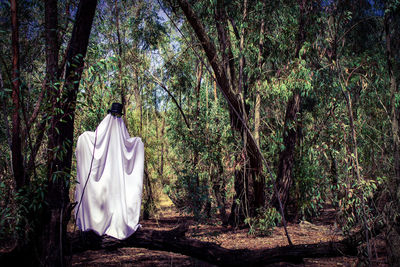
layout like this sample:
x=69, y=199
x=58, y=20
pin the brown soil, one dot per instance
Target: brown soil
x=321, y=230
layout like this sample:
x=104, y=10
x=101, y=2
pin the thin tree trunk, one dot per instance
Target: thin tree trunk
x=241, y=83
x=149, y=199
x=225, y=46
x=215, y=88
x=353, y=135
x=199, y=74
x=121, y=87
x=138, y=99
x=356, y=167
x=51, y=25
x=162, y=148
x=219, y=191
x=16, y=149
x=257, y=105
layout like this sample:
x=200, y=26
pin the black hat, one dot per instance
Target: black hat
x=116, y=109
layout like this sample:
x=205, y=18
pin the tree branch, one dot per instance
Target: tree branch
x=173, y=98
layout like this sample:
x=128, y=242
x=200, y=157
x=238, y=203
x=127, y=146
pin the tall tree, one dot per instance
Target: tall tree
x=249, y=189
x=120, y=57
x=257, y=105
x=17, y=159
x=53, y=246
x=392, y=27
x=291, y=129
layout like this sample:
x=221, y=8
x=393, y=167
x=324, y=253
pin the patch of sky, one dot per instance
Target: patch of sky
x=376, y=7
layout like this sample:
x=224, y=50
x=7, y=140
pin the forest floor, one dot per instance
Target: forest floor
x=320, y=230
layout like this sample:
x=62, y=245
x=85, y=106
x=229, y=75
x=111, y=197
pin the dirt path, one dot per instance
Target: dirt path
x=303, y=233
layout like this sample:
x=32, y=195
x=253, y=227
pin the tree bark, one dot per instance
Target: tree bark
x=16, y=149
x=225, y=77
x=120, y=73
x=175, y=241
x=393, y=228
x=195, y=126
x=51, y=25
x=148, y=205
x=284, y=178
x=225, y=47
x=162, y=147
x=218, y=187
x=257, y=105
x=356, y=166
x=57, y=213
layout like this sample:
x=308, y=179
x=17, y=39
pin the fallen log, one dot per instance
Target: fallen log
x=175, y=241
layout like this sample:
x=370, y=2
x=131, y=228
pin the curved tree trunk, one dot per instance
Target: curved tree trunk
x=291, y=129
x=247, y=190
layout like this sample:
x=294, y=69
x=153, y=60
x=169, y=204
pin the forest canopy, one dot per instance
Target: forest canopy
x=254, y=113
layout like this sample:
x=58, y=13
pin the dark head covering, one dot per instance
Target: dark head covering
x=116, y=109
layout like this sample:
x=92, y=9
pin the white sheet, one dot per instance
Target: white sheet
x=111, y=201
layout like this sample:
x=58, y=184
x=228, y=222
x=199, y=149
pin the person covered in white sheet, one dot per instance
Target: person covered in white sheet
x=110, y=178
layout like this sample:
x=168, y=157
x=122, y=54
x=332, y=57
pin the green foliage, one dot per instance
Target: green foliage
x=21, y=211
x=201, y=152
x=311, y=184
x=264, y=223
x=189, y=196
x=343, y=54
x=355, y=203
x=7, y=214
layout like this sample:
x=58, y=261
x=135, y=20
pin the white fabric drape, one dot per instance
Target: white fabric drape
x=111, y=200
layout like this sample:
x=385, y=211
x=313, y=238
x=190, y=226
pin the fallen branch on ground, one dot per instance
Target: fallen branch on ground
x=175, y=241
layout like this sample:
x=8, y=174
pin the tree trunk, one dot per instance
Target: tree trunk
x=57, y=214
x=225, y=47
x=175, y=241
x=286, y=158
x=148, y=204
x=225, y=78
x=242, y=60
x=17, y=159
x=218, y=187
x=51, y=25
x=257, y=105
x=120, y=73
x=284, y=178
x=195, y=126
x=162, y=148
x=393, y=228
x=356, y=166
